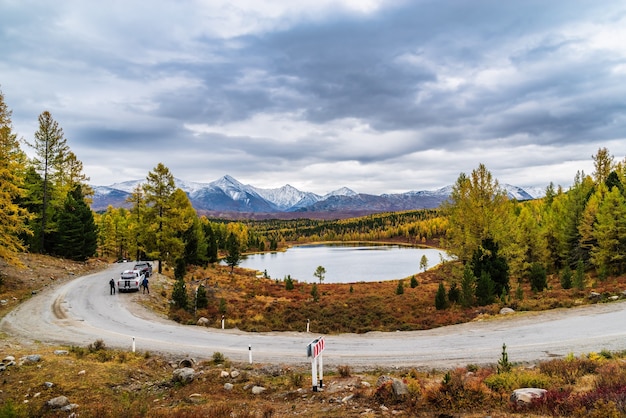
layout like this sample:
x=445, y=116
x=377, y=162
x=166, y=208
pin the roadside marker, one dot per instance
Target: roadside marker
x=314, y=350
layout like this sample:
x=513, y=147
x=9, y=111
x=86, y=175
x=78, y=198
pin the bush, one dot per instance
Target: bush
x=344, y=371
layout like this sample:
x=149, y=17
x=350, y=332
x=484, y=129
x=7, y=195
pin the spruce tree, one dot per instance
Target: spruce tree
x=202, y=301
x=566, y=278
x=440, y=298
x=77, y=236
x=468, y=287
x=179, y=294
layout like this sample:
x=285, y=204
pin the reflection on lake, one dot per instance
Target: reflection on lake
x=344, y=263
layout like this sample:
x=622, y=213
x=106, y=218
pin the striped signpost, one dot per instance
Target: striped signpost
x=314, y=351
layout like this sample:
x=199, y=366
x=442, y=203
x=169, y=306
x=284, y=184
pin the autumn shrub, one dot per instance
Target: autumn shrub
x=506, y=382
x=568, y=370
x=344, y=371
x=460, y=390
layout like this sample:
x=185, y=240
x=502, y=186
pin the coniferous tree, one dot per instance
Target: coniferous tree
x=315, y=293
x=167, y=214
x=202, y=301
x=289, y=283
x=233, y=249
x=400, y=288
x=440, y=298
x=468, y=287
x=538, y=277
x=179, y=294
x=454, y=294
x=610, y=233
x=414, y=282
x=487, y=259
x=566, y=278
x=211, y=243
x=477, y=209
x=180, y=268
x=13, y=217
x=77, y=236
x=484, y=289
x=579, y=275
x=51, y=151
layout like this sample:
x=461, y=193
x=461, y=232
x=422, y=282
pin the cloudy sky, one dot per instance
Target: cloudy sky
x=376, y=95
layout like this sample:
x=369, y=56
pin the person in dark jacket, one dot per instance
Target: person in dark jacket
x=112, y=285
x=144, y=284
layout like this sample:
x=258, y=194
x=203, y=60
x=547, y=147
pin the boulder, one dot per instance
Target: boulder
x=228, y=386
x=183, y=375
x=234, y=374
x=400, y=389
x=58, y=402
x=224, y=373
x=525, y=396
x=257, y=390
x=203, y=322
x=506, y=311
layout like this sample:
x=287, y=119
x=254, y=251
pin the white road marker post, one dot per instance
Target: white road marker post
x=222, y=321
x=308, y=323
x=250, y=353
x=133, y=344
x=314, y=350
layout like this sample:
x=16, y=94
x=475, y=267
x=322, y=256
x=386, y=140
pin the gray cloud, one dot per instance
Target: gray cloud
x=396, y=96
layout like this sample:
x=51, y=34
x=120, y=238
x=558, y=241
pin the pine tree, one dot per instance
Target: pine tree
x=289, y=283
x=566, y=278
x=319, y=273
x=477, y=209
x=168, y=213
x=202, y=301
x=440, y=298
x=610, y=234
x=538, y=277
x=579, y=275
x=51, y=151
x=485, y=289
x=13, y=218
x=233, y=256
x=77, y=236
x=400, y=288
x=487, y=259
x=468, y=287
x=179, y=294
x=315, y=293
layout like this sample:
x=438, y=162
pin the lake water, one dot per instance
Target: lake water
x=344, y=263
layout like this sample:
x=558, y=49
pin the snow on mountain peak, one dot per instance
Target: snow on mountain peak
x=343, y=191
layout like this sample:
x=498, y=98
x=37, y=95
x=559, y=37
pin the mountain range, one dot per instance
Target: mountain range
x=227, y=197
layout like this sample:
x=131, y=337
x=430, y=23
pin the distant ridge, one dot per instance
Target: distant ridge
x=230, y=198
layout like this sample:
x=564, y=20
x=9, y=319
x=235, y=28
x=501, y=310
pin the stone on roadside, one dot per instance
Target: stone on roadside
x=257, y=390
x=58, y=402
x=525, y=396
x=184, y=375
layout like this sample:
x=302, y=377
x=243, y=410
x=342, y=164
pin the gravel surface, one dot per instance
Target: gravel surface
x=82, y=311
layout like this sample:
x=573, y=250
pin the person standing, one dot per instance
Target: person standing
x=144, y=284
x=112, y=285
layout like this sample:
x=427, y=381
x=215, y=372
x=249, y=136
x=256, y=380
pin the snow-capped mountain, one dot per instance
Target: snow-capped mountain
x=228, y=195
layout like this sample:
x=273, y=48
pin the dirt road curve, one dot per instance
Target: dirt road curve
x=82, y=311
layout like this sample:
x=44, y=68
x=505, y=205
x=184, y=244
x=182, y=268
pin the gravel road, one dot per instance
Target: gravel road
x=82, y=311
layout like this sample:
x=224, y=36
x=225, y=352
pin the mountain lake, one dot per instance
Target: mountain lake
x=344, y=263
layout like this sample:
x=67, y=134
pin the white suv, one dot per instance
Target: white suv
x=129, y=281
